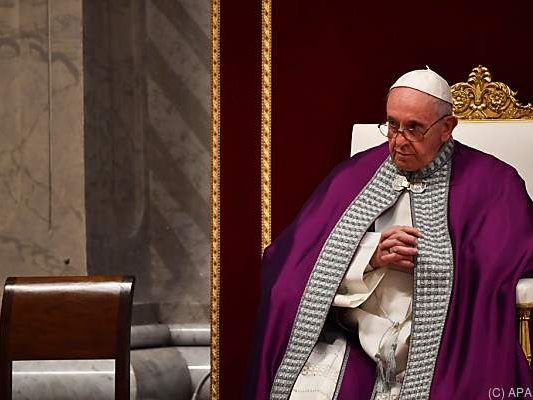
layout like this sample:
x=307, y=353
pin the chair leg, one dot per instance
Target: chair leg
x=122, y=380
x=5, y=380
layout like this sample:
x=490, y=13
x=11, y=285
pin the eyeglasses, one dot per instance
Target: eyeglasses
x=413, y=133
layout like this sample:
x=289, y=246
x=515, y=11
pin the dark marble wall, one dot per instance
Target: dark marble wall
x=147, y=151
x=178, y=154
x=42, y=215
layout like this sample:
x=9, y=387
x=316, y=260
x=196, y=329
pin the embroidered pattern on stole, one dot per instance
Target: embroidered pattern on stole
x=433, y=275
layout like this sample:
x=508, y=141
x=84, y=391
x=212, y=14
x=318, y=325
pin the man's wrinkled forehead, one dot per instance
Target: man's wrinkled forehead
x=407, y=101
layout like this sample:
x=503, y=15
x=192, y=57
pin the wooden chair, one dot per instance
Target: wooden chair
x=66, y=318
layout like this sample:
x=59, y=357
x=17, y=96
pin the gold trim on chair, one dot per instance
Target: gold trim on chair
x=215, y=197
x=266, y=109
x=524, y=316
x=481, y=98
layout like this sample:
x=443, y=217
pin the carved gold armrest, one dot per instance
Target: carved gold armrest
x=524, y=306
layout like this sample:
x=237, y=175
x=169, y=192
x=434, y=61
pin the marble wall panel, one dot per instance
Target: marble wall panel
x=134, y=168
x=116, y=185
x=42, y=217
x=178, y=143
x=147, y=124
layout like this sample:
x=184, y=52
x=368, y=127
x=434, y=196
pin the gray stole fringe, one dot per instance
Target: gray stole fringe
x=433, y=274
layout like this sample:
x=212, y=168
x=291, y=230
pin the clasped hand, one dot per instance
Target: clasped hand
x=397, y=248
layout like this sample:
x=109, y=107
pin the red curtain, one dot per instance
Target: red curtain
x=332, y=65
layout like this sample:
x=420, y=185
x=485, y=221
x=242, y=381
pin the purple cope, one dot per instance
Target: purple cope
x=490, y=222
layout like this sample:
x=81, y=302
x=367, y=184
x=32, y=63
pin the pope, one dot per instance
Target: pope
x=397, y=278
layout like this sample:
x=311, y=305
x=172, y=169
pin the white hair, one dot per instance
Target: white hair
x=442, y=107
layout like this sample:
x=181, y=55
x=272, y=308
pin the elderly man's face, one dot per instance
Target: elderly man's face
x=408, y=108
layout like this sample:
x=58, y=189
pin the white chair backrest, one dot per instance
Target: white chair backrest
x=510, y=141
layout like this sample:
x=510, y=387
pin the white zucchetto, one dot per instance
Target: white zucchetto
x=426, y=81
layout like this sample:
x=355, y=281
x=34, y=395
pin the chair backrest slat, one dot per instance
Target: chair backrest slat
x=62, y=318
